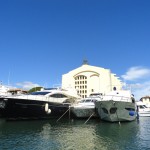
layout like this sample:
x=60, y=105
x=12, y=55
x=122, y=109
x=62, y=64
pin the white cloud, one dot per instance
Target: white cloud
x=141, y=84
x=140, y=89
x=27, y=85
x=135, y=73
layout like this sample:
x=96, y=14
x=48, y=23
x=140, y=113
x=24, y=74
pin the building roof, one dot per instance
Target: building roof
x=16, y=90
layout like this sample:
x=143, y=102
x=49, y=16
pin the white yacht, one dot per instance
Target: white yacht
x=47, y=103
x=86, y=107
x=117, y=106
x=142, y=109
x=4, y=91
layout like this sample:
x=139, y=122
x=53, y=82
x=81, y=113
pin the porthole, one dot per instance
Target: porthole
x=113, y=110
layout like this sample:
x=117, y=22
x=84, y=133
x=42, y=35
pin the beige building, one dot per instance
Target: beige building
x=146, y=100
x=89, y=79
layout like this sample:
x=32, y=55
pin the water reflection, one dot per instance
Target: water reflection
x=144, y=133
x=114, y=136
x=49, y=135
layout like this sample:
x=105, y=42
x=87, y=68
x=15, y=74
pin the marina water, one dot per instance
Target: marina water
x=74, y=135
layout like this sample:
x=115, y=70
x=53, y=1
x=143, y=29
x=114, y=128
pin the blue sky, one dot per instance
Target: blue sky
x=42, y=39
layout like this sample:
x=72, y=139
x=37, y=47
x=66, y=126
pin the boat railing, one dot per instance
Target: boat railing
x=117, y=98
x=47, y=98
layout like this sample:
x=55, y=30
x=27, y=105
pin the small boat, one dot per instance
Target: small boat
x=48, y=103
x=117, y=106
x=86, y=107
x=142, y=109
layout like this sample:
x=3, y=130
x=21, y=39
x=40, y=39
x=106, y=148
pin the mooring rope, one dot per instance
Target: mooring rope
x=89, y=118
x=63, y=114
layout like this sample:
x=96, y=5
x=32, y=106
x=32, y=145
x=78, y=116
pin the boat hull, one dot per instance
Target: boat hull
x=144, y=114
x=27, y=109
x=83, y=112
x=114, y=111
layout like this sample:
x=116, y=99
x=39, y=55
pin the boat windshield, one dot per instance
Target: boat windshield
x=88, y=100
x=96, y=94
x=145, y=106
x=142, y=106
x=39, y=93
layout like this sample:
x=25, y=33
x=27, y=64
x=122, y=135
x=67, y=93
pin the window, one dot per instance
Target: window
x=58, y=95
x=40, y=93
x=114, y=88
x=80, y=84
x=105, y=110
x=130, y=109
x=88, y=100
x=113, y=110
x=94, y=100
x=142, y=107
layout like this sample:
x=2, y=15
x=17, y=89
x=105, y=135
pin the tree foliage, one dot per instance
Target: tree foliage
x=35, y=89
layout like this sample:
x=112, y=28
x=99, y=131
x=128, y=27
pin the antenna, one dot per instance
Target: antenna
x=8, y=78
x=85, y=62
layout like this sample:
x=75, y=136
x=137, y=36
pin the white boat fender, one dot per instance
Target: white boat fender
x=2, y=104
x=47, y=110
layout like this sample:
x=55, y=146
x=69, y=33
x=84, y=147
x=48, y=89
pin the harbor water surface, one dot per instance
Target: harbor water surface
x=74, y=135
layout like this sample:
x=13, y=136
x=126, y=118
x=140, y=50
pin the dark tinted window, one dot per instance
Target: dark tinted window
x=82, y=101
x=88, y=100
x=50, y=88
x=39, y=93
x=105, y=110
x=58, y=95
x=142, y=107
x=130, y=109
x=94, y=100
x=145, y=106
x=96, y=94
x=113, y=110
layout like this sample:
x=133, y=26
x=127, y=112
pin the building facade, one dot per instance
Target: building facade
x=146, y=100
x=89, y=79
